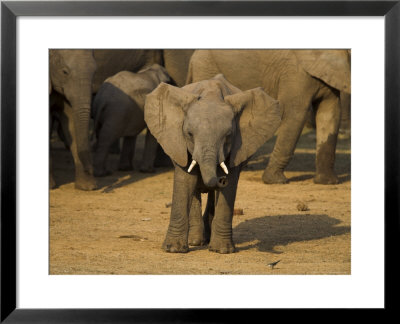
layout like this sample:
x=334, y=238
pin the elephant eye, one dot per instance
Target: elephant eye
x=65, y=71
x=190, y=134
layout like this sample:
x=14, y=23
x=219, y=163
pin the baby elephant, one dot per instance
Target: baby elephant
x=209, y=129
x=118, y=112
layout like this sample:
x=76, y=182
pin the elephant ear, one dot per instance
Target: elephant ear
x=164, y=114
x=259, y=117
x=331, y=66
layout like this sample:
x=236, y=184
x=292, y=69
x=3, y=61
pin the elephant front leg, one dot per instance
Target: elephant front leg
x=221, y=240
x=327, y=121
x=176, y=239
x=196, y=227
x=63, y=130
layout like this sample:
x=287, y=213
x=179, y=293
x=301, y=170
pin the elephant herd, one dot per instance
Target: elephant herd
x=209, y=110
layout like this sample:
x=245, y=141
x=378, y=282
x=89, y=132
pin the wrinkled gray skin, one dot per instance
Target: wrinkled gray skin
x=209, y=122
x=117, y=111
x=297, y=79
x=76, y=75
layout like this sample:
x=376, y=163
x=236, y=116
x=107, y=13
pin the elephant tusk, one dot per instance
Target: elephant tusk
x=192, y=166
x=223, y=166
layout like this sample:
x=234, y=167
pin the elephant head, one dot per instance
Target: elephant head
x=71, y=74
x=212, y=120
x=330, y=66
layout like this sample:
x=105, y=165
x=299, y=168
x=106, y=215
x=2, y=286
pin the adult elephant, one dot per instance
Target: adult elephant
x=298, y=79
x=176, y=61
x=77, y=75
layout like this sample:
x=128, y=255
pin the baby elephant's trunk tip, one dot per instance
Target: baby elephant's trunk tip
x=214, y=183
x=222, y=182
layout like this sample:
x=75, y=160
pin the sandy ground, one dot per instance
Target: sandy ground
x=119, y=228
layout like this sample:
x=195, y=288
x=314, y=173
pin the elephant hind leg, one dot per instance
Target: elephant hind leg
x=127, y=153
x=149, y=153
x=294, y=118
x=327, y=122
x=104, y=142
x=345, y=123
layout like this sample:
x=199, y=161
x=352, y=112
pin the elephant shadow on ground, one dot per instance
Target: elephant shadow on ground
x=119, y=179
x=271, y=231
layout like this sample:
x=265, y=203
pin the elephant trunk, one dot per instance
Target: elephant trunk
x=208, y=169
x=81, y=122
x=81, y=105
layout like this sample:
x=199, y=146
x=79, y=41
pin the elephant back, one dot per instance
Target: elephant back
x=110, y=62
x=134, y=85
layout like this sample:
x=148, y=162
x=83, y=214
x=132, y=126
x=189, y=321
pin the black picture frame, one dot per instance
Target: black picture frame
x=11, y=10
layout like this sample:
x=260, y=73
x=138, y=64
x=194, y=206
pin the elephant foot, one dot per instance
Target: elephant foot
x=86, y=183
x=125, y=167
x=146, y=169
x=326, y=178
x=175, y=245
x=222, y=246
x=196, y=239
x=196, y=242
x=274, y=177
x=196, y=236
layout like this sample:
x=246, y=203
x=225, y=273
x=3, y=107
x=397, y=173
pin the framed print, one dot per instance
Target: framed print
x=73, y=255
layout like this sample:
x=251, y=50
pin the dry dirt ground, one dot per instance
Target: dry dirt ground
x=119, y=228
